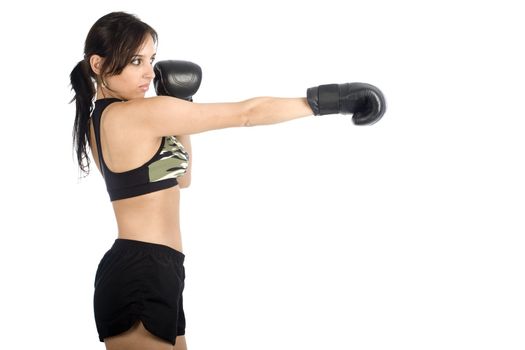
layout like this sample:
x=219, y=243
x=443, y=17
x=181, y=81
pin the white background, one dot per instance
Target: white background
x=312, y=234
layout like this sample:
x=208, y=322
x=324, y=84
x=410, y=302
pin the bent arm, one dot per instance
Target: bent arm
x=185, y=180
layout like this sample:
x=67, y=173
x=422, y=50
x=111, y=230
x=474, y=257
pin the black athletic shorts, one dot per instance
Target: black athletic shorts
x=143, y=281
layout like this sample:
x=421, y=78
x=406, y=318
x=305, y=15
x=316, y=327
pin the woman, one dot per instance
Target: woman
x=139, y=281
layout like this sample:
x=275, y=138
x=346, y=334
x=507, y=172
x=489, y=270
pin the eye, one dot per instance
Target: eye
x=136, y=61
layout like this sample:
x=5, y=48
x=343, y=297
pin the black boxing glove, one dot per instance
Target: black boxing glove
x=176, y=78
x=366, y=102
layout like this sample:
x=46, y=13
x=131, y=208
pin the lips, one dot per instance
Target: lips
x=144, y=87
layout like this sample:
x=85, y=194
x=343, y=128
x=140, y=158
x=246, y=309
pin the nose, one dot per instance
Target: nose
x=149, y=73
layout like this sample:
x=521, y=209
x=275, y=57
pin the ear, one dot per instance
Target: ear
x=95, y=61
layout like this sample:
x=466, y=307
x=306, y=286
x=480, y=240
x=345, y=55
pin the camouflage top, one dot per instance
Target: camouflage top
x=160, y=172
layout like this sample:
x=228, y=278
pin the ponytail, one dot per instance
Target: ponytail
x=82, y=84
x=116, y=37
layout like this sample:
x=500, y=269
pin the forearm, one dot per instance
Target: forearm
x=273, y=110
x=185, y=180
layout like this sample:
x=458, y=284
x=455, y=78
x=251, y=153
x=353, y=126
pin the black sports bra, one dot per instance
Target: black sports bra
x=160, y=172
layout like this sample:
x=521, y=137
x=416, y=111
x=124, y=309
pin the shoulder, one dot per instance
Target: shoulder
x=131, y=112
x=140, y=111
x=145, y=106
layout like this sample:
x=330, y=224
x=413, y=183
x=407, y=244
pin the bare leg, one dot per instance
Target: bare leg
x=138, y=338
x=180, y=343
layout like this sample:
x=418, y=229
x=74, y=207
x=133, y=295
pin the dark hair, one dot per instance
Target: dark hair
x=116, y=37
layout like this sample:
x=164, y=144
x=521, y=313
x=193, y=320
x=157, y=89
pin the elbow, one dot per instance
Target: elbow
x=184, y=181
x=246, y=120
x=249, y=112
x=184, y=184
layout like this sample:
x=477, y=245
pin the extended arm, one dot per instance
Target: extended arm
x=166, y=115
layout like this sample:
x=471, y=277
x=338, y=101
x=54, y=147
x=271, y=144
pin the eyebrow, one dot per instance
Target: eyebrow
x=145, y=55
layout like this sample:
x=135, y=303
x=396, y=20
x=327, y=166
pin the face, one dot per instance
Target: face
x=136, y=77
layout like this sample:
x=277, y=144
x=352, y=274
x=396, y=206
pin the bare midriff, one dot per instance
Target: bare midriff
x=153, y=217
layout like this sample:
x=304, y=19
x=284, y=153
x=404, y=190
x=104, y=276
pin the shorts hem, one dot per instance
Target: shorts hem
x=168, y=339
x=119, y=330
x=116, y=330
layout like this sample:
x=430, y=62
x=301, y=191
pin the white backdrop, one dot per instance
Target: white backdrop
x=312, y=234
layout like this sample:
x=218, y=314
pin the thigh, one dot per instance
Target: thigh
x=138, y=338
x=180, y=343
